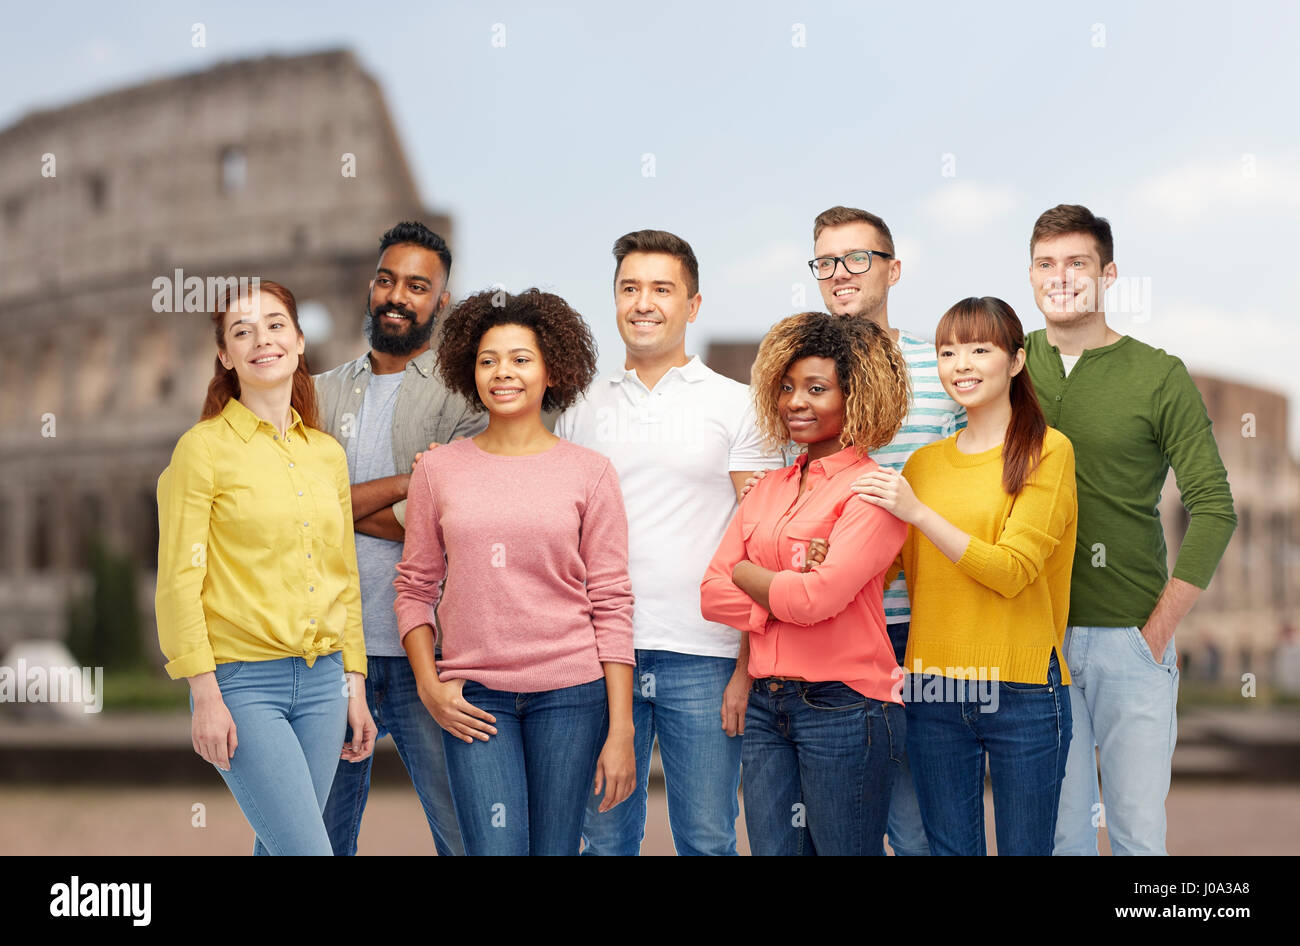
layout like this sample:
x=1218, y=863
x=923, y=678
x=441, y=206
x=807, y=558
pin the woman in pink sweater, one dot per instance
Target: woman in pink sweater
x=534, y=686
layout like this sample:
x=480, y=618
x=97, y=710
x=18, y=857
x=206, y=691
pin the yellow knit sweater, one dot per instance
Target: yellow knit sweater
x=1001, y=610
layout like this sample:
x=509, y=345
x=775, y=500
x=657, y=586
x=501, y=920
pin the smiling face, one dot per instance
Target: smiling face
x=1068, y=278
x=509, y=372
x=653, y=305
x=811, y=405
x=406, y=294
x=977, y=374
x=260, y=342
x=863, y=294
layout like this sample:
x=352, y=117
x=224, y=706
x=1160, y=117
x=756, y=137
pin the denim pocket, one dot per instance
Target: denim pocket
x=887, y=721
x=831, y=696
x=1140, y=644
x=1026, y=687
x=226, y=671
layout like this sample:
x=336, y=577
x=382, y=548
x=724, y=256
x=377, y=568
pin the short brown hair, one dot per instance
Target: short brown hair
x=838, y=216
x=659, y=241
x=1074, y=218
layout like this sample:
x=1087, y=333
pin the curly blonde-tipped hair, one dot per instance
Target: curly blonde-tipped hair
x=870, y=370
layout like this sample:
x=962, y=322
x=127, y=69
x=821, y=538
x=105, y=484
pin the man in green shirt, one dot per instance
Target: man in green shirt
x=1131, y=411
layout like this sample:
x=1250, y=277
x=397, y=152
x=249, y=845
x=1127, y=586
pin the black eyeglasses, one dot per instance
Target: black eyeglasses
x=857, y=263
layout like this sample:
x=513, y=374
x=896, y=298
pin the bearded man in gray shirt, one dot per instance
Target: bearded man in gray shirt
x=384, y=407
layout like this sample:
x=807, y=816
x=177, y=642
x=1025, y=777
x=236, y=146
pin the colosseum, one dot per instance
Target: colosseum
x=287, y=168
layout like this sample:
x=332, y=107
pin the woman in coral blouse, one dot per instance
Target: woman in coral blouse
x=824, y=729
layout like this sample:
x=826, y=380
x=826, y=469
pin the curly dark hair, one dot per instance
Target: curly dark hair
x=869, y=367
x=567, y=347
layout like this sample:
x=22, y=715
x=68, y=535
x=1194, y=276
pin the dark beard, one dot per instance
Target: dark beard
x=388, y=343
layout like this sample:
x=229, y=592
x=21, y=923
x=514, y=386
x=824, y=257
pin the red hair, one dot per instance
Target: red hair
x=992, y=320
x=225, y=382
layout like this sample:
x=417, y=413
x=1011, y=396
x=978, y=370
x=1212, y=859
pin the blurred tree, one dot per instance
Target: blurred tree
x=104, y=625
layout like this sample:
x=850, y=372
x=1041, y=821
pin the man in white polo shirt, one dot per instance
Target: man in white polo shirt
x=683, y=441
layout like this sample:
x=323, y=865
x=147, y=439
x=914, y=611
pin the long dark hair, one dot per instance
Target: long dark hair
x=991, y=320
x=225, y=382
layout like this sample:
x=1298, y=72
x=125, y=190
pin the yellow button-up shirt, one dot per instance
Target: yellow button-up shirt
x=256, y=555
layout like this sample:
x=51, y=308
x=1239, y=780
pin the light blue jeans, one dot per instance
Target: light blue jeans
x=397, y=710
x=1124, y=703
x=289, y=721
x=678, y=698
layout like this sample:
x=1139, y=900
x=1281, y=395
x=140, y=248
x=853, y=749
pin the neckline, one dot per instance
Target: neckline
x=514, y=456
x=970, y=459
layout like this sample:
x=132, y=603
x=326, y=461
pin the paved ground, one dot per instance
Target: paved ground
x=1203, y=818
x=128, y=784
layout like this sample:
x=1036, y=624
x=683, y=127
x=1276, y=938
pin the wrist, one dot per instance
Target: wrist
x=619, y=731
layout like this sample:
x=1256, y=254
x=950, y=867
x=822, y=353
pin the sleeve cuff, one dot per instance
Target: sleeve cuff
x=976, y=557
x=192, y=664
x=399, y=512
x=413, y=615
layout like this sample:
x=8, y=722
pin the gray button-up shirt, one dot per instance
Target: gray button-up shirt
x=426, y=412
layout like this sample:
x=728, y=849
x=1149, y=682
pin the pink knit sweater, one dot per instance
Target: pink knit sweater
x=534, y=551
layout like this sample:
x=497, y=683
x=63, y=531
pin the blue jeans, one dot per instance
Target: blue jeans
x=524, y=791
x=397, y=710
x=905, y=829
x=677, y=697
x=820, y=761
x=1125, y=704
x=289, y=720
x=1026, y=737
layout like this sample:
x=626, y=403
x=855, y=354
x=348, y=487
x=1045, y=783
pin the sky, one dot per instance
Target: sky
x=547, y=131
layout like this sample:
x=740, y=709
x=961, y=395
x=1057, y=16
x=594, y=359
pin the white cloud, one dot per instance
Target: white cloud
x=1247, y=182
x=967, y=206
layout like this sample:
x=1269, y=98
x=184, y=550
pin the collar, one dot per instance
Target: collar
x=425, y=363
x=693, y=371
x=245, y=423
x=832, y=465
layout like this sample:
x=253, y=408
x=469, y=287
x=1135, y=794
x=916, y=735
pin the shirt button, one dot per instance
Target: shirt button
x=312, y=621
x=311, y=587
x=356, y=390
x=291, y=464
x=275, y=436
x=309, y=554
x=299, y=492
x=1058, y=397
x=306, y=524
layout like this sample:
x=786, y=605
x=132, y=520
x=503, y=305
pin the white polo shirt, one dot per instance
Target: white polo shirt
x=673, y=449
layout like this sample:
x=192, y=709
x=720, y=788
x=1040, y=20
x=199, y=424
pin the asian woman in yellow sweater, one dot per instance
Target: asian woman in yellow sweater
x=992, y=514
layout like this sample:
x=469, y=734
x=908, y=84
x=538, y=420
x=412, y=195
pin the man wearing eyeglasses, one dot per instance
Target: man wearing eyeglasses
x=855, y=266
